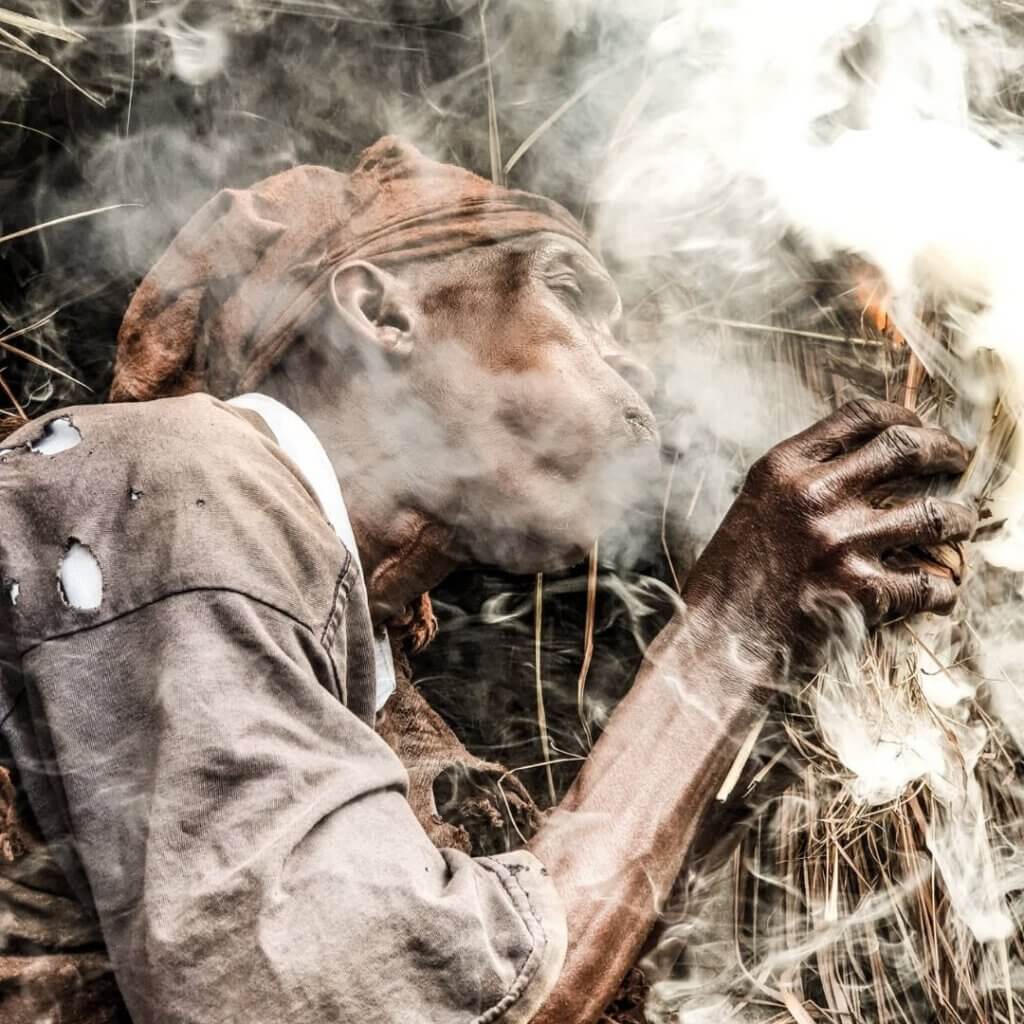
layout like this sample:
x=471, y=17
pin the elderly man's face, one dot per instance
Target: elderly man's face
x=539, y=431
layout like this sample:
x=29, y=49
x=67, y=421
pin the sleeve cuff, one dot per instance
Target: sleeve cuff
x=533, y=892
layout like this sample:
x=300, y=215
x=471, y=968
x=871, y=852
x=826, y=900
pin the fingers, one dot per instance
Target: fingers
x=898, y=451
x=897, y=593
x=849, y=427
x=924, y=522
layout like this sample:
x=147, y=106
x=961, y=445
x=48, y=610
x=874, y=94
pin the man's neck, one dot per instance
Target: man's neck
x=403, y=552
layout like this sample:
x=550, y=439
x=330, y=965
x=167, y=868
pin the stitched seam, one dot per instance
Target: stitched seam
x=157, y=600
x=342, y=587
x=534, y=959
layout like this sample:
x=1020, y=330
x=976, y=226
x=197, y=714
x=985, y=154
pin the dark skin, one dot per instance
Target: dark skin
x=513, y=420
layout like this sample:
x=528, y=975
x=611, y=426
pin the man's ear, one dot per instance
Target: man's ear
x=375, y=305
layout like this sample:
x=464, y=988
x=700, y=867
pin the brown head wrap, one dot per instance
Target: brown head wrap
x=249, y=270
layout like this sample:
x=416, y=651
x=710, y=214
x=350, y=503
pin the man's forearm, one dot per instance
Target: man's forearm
x=616, y=843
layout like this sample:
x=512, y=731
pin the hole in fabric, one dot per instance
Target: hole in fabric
x=12, y=590
x=79, y=577
x=134, y=495
x=58, y=436
x=200, y=503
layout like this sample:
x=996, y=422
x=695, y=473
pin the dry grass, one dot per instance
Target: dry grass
x=837, y=910
x=20, y=45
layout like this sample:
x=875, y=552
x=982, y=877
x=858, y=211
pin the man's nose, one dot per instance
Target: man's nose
x=633, y=372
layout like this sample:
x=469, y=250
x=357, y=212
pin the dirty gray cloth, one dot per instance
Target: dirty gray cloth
x=294, y=436
x=199, y=747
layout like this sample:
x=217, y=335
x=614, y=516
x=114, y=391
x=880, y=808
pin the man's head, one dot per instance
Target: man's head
x=452, y=340
x=504, y=405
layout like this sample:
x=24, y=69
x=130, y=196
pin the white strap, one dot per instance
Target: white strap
x=303, y=447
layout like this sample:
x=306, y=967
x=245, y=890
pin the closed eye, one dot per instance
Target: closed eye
x=586, y=295
x=580, y=284
x=568, y=287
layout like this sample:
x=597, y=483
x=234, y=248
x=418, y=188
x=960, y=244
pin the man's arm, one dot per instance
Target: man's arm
x=186, y=747
x=801, y=546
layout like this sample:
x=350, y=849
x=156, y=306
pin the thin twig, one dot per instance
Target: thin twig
x=492, y=106
x=912, y=383
x=14, y=400
x=64, y=220
x=35, y=131
x=588, y=642
x=542, y=718
x=38, y=27
x=21, y=353
x=743, y=325
x=740, y=760
x=10, y=41
x=42, y=321
x=523, y=768
x=559, y=112
x=134, y=31
x=664, y=523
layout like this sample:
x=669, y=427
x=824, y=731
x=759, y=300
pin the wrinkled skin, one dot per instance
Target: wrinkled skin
x=802, y=543
x=514, y=426
x=540, y=403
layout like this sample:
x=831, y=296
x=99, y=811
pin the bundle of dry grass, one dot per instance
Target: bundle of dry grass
x=875, y=879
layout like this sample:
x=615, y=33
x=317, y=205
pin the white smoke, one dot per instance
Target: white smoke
x=871, y=127
x=878, y=129
x=709, y=141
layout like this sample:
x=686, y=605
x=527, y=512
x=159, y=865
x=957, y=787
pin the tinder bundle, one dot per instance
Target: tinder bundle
x=876, y=877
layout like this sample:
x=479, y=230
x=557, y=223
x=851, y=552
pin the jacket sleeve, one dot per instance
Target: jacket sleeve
x=243, y=835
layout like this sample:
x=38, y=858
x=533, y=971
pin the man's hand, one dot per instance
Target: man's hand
x=802, y=539
x=803, y=543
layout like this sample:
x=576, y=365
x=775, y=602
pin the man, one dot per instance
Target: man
x=190, y=702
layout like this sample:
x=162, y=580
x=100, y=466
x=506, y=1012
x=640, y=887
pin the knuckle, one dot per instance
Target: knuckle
x=874, y=410
x=921, y=591
x=867, y=588
x=858, y=570
x=855, y=574
x=902, y=593
x=826, y=540
x=858, y=412
x=771, y=469
x=818, y=494
x=902, y=444
x=857, y=408
x=939, y=520
x=941, y=596
x=932, y=515
x=962, y=520
x=861, y=409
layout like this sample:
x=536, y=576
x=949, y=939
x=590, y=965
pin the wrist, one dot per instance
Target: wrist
x=738, y=659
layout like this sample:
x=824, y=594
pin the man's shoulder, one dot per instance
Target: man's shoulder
x=155, y=498
x=183, y=417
